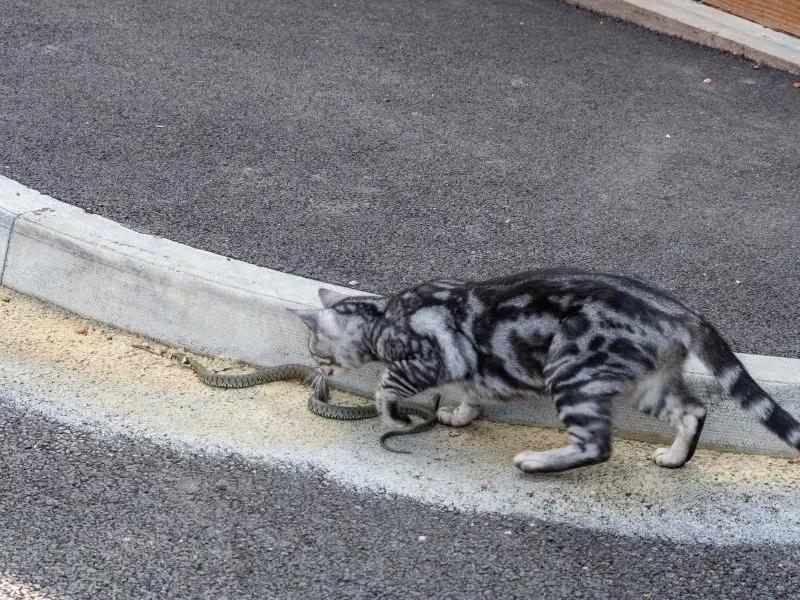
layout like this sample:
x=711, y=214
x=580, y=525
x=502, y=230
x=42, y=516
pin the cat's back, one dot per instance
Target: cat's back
x=561, y=290
x=554, y=292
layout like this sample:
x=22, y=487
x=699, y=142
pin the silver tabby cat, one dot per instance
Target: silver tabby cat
x=583, y=338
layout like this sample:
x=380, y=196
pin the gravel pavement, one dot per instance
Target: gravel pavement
x=387, y=141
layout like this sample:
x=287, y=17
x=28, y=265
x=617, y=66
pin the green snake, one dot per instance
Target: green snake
x=318, y=399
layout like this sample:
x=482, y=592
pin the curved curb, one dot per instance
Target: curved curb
x=187, y=297
x=706, y=25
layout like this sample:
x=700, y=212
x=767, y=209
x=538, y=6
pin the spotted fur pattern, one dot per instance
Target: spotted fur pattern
x=585, y=339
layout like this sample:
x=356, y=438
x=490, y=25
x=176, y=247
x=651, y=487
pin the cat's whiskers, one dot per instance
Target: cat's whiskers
x=311, y=378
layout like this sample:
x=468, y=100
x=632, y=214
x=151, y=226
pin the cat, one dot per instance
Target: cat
x=583, y=338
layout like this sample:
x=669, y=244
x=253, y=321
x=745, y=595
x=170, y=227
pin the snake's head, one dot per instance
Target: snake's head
x=180, y=358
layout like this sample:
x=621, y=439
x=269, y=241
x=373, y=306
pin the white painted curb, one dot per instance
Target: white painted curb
x=705, y=25
x=212, y=304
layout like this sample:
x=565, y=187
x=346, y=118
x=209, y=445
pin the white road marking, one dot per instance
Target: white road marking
x=10, y=589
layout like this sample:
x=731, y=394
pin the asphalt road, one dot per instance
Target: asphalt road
x=388, y=141
x=85, y=515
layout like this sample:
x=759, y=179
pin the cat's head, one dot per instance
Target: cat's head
x=340, y=332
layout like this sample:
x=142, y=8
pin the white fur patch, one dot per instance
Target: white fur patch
x=729, y=377
x=516, y=302
x=649, y=391
x=600, y=388
x=584, y=409
x=762, y=408
x=432, y=322
x=428, y=321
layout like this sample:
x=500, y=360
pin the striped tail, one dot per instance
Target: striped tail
x=730, y=373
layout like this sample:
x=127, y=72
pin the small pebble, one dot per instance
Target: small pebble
x=707, y=80
x=81, y=330
x=353, y=282
x=796, y=85
x=423, y=538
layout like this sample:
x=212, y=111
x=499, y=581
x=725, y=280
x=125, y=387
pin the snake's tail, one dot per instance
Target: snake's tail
x=385, y=446
x=428, y=423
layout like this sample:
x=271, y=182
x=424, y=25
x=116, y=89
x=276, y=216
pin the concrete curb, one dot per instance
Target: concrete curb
x=212, y=304
x=705, y=25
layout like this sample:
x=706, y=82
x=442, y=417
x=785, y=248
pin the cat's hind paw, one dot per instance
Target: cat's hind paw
x=559, y=459
x=533, y=462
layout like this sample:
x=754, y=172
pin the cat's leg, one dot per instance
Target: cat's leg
x=459, y=416
x=585, y=410
x=671, y=400
x=403, y=379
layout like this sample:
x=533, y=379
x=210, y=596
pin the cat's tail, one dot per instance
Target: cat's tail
x=717, y=355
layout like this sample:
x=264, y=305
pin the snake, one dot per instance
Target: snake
x=318, y=398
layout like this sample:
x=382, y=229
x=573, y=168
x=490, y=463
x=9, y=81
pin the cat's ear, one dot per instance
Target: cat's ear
x=329, y=297
x=309, y=316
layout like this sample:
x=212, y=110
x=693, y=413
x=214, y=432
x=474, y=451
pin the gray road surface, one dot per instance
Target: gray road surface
x=388, y=141
x=94, y=517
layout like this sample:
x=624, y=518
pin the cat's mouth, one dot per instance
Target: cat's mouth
x=323, y=361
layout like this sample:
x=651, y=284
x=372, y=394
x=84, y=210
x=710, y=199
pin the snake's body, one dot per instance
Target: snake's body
x=318, y=399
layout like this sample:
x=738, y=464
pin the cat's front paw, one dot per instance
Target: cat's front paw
x=460, y=416
x=444, y=414
x=664, y=458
